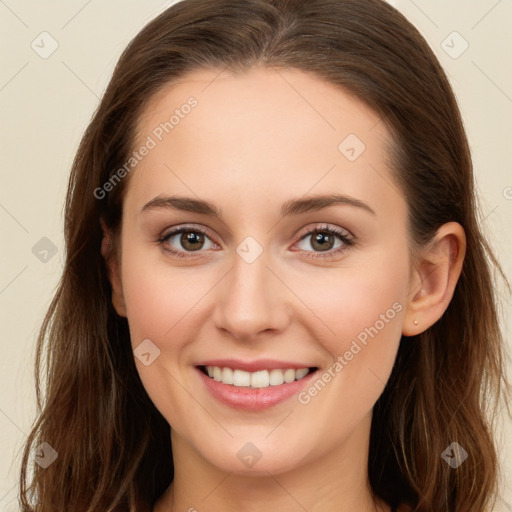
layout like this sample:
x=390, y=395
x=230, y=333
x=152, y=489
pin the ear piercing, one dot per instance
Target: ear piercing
x=423, y=291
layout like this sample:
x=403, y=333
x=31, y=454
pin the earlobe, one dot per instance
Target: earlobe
x=435, y=278
x=108, y=253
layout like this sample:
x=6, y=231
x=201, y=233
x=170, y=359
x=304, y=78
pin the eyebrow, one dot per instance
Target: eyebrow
x=291, y=207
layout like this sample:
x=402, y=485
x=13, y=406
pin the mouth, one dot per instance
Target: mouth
x=254, y=390
x=255, y=380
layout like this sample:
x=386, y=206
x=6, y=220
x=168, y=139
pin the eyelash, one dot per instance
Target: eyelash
x=347, y=241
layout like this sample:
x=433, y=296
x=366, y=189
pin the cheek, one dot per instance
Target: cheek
x=158, y=299
x=351, y=301
x=360, y=303
x=161, y=306
x=353, y=313
x=359, y=312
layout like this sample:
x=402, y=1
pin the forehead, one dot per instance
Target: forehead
x=277, y=96
x=264, y=129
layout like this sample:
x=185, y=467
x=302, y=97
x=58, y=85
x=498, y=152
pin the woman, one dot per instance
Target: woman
x=276, y=294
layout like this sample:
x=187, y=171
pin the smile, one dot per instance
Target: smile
x=255, y=380
x=256, y=390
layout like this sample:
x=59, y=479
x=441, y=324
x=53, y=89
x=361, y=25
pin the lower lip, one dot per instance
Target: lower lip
x=254, y=399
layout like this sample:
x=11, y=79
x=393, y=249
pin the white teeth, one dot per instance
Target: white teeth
x=241, y=378
x=259, y=379
x=227, y=376
x=289, y=375
x=276, y=377
x=302, y=372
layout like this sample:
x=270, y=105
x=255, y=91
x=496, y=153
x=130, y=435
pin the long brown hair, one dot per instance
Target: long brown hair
x=113, y=445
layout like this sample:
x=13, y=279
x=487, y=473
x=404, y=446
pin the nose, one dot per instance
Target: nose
x=251, y=299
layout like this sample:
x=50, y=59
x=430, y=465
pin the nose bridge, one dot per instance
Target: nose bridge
x=251, y=299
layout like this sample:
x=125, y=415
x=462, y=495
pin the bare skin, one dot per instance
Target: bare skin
x=253, y=142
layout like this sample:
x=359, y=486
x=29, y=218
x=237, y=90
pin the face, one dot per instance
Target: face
x=275, y=279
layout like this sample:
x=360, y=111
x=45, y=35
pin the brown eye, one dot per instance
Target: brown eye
x=185, y=240
x=324, y=239
x=192, y=240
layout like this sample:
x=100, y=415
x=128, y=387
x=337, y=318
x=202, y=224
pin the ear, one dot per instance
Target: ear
x=108, y=253
x=434, y=279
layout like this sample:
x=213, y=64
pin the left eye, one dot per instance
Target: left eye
x=324, y=237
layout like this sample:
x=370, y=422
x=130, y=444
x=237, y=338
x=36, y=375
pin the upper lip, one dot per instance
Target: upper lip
x=256, y=365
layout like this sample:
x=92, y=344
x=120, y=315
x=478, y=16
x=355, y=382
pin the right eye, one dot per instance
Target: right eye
x=191, y=239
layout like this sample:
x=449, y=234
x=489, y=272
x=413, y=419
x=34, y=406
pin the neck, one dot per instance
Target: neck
x=332, y=482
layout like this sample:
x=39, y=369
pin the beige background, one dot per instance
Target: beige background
x=46, y=104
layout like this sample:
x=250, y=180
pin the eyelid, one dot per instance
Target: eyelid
x=185, y=227
x=323, y=227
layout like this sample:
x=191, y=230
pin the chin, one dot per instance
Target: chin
x=257, y=458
